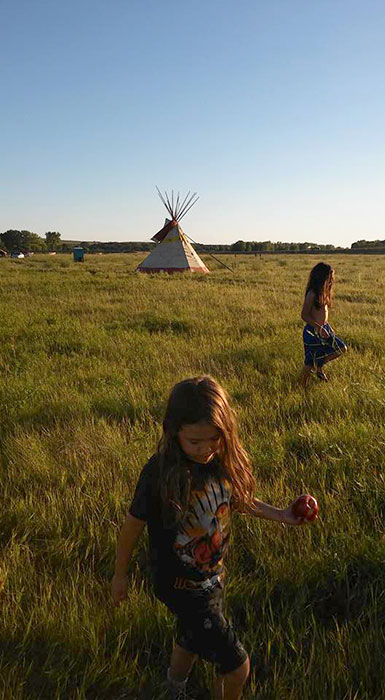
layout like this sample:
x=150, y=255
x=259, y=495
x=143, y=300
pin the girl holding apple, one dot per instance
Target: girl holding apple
x=185, y=495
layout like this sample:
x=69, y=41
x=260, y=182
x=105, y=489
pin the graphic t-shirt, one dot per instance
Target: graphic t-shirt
x=194, y=548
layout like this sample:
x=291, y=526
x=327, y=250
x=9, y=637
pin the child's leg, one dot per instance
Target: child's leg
x=334, y=355
x=335, y=348
x=310, y=344
x=331, y=351
x=229, y=686
x=305, y=374
x=181, y=663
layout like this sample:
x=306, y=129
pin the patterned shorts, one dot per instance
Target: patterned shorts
x=202, y=628
x=317, y=349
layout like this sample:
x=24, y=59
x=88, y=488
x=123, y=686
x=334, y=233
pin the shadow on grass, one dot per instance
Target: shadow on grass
x=330, y=596
x=334, y=597
x=53, y=415
x=301, y=616
x=57, y=668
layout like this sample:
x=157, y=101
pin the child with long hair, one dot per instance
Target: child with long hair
x=185, y=495
x=320, y=341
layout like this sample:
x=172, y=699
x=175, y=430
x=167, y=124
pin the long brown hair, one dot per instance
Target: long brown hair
x=200, y=400
x=321, y=283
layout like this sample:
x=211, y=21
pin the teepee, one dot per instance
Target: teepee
x=173, y=252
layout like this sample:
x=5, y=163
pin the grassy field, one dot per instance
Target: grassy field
x=88, y=353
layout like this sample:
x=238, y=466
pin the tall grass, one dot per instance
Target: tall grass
x=88, y=353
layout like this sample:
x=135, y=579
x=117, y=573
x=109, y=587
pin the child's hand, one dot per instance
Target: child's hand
x=303, y=510
x=119, y=586
x=288, y=517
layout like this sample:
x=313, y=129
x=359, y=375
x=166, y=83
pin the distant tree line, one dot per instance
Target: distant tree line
x=26, y=241
x=239, y=246
x=129, y=247
x=368, y=244
x=110, y=247
x=268, y=246
x=260, y=246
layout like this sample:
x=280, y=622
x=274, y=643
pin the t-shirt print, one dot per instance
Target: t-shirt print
x=203, y=535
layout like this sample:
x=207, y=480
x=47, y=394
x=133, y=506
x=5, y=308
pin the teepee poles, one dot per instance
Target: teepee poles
x=208, y=253
x=176, y=209
x=183, y=203
x=165, y=203
x=188, y=206
x=169, y=205
x=177, y=204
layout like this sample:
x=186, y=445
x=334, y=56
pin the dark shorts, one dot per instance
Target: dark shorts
x=202, y=628
x=317, y=349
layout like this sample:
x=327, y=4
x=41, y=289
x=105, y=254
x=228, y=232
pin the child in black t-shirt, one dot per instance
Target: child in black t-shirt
x=185, y=495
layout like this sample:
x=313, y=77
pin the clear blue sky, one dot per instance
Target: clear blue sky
x=273, y=111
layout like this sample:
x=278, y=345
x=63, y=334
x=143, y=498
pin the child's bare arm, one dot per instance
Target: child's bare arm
x=259, y=509
x=129, y=535
x=306, y=314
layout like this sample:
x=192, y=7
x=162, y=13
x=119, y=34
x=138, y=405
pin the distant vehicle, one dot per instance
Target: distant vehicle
x=17, y=254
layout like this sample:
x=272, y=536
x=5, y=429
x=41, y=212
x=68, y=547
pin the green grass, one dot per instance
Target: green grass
x=88, y=354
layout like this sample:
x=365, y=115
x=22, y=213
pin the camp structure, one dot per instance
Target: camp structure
x=173, y=252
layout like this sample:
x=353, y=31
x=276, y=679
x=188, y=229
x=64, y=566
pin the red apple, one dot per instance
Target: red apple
x=305, y=507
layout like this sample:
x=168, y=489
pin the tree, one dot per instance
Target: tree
x=52, y=239
x=368, y=244
x=32, y=242
x=239, y=245
x=11, y=240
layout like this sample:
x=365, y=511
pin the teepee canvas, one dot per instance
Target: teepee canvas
x=173, y=252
